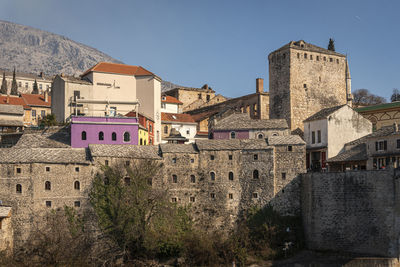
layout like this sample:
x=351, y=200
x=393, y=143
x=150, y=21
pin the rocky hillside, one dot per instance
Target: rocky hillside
x=33, y=50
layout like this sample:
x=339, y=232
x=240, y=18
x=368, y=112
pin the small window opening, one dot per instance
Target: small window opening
x=255, y=195
x=77, y=204
x=83, y=135
x=47, y=185
x=305, y=55
x=212, y=157
x=76, y=169
x=233, y=135
x=230, y=176
x=114, y=136
x=48, y=204
x=18, y=170
x=127, y=163
x=77, y=185
x=47, y=169
x=230, y=157
x=283, y=175
x=192, y=179
x=127, y=181
x=191, y=160
x=173, y=199
x=101, y=136
x=330, y=59
x=255, y=156
x=106, y=162
x=212, y=176
x=127, y=137
x=255, y=174
x=192, y=199
x=230, y=196
x=212, y=195
x=174, y=179
x=19, y=188
x=174, y=160
x=289, y=148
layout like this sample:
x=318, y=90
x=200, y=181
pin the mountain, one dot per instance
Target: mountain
x=32, y=50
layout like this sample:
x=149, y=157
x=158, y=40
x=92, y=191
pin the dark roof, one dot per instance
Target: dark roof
x=124, y=151
x=308, y=47
x=356, y=153
x=44, y=155
x=232, y=144
x=40, y=141
x=178, y=148
x=73, y=79
x=11, y=123
x=379, y=107
x=384, y=131
x=286, y=140
x=323, y=113
x=242, y=121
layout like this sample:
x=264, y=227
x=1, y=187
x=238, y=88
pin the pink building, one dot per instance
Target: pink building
x=103, y=130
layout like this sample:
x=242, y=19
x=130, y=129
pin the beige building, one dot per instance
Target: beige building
x=303, y=79
x=40, y=106
x=25, y=81
x=120, y=85
x=382, y=115
x=6, y=230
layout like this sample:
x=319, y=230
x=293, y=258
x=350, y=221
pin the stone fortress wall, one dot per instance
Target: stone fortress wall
x=303, y=79
x=352, y=212
x=36, y=180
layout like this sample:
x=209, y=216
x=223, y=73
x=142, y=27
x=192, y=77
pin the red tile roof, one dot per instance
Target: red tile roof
x=36, y=100
x=119, y=69
x=133, y=114
x=13, y=100
x=170, y=99
x=176, y=117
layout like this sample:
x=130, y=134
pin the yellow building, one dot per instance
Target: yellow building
x=143, y=136
x=381, y=115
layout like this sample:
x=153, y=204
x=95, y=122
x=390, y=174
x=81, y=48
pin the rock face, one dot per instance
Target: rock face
x=33, y=51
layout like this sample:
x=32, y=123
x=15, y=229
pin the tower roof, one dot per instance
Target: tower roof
x=301, y=45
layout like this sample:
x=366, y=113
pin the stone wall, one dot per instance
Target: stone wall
x=303, y=81
x=352, y=212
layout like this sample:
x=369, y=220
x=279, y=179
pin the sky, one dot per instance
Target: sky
x=224, y=43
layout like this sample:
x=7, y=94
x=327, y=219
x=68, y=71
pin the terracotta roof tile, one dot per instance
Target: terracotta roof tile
x=170, y=99
x=36, y=100
x=13, y=100
x=176, y=117
x=119, y=69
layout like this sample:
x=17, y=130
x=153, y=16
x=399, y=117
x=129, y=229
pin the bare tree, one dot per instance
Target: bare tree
x=362, y=97
x=395, y=96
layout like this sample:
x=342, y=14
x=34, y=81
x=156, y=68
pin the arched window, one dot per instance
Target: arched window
x=141, y=141
x=255, y=174
x=101, y=136
x=233, y=135
x=212, y=176
x=77, y=185
x=231, y=176
x=165, y=129
x=127, y=137
x=47, y=185
x=275, y=134
x=83, y=135
x=114, y=136
x=260, y=136
x=19, y=189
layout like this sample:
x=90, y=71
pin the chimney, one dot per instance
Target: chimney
x=259, y=85
x=62, y=74
x=46, y=96
x=41, y=74
x=205, y=87
x=395, y=127
x=8, y=99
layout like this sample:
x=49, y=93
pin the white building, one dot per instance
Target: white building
x=170, y=104
x=184, y=123
x=327, y=131
x=117, y=83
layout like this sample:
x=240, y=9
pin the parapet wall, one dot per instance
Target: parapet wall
x=352, y=212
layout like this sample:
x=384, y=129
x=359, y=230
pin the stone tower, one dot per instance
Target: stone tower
x=303, y=79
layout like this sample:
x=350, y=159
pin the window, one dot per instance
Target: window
x=230, y=157
x=77, y=185
x=43, y=113
x=283, y=55
x=48, y=204
x=305, y=55
x=165, y=129
x=191, y=160
x=230, y=196
x=283, y=175
x=76, y=169
x=150, y=128
x=188, y=131
x=212, y=157
x=337, y=61
x=192, y=178
x=289, y=148
x=33, y=114
x=47, y=86
x=77, y=204
x=305, y=85
x=47, y=185
x=114, y=136
x=255, y=195
x=260, y=136
x=18, y=170
x=127, y=137
x=127, y=181
x=381, y=145
x=212, y=195
x=310, y=57
x=163, y=105
x=255, y=156
x=317, y=58
x=83, y=135
x=233, y=135
x=150, y=181
x=127, y=163
x=199, y=96
x=330, y=59
x=212, y=176
x=313, y=137
x=398, y=143
x=230, y=176
x=174, y=179
x=324, y=58
x=40, y=86
x=208, y=98
x=255, y=174
x=77, y=95
x=298, y=55
x=26, y=85
x=101, y=136
x=192, y=199
x=174, y=160
x=319, y=136
x=173, y=199
x=19, y=84
x=19, y=188
x=106, y=162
